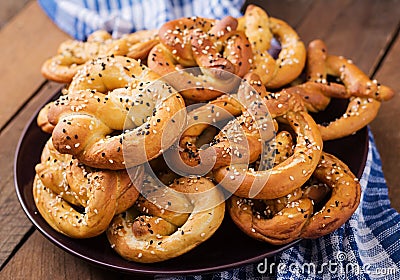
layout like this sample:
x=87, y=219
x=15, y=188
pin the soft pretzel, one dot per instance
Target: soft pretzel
x=285, y=177
x=187, y=156
x=293, y=172
x=283, y=220
x=271, y=183
x=62, y=185
x=276, y=221
x=72, y=54
x=111, y=94
x=153, y=233
x=220, y=52
x=343, y=201
x=365, y=95
x=260, y=30
x=228, y=106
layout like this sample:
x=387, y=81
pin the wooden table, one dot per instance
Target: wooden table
x=367, y=31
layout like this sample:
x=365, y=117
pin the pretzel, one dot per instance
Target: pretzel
x=108, y=95
x=72, y=54
x=341, y=204
x=285, y=177
x=198, y=121
x=249, y=145
x=62, y=185
x=215, y=47
x=260, y=30
x=223, y=108
x=275, y=221
x=365, y=95
x=290, y=174
x=281, y=221
x=153, y=233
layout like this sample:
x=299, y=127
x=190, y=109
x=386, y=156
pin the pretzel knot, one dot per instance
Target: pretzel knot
x=155, y=233
x=284, y=178
x=78, y=201
x=72, y=54
x=113, y=94
x=216, y=47
x=294, y=216
x=365, y=95
x=245, y=139
x=261, y=30
x=277, y=181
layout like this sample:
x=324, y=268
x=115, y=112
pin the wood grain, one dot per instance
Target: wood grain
x=25, y=42
x=13, y=222
x=9, y=8
x=46, y=261
x=386, y=126
x=293, y=12
x=354, y=29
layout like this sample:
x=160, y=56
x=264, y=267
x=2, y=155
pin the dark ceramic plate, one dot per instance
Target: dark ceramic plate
x=227, y=248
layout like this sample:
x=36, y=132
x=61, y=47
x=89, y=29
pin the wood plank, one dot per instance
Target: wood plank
x=49, y=262
x=354, y=29
x=13, y=222
x=293, y=12
x=9, y=8
x=25, y=42
x=386, y=126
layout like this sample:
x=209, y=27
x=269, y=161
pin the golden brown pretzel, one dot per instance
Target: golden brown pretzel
x=260, y=29
x=343, y=201
x=364, y=94
x=62, y=185
x=278, y=227
x=156, y=234
x=285, y=177
x=276, y=221
x=293, y=172
x=216, y=47
x=283, y=220
x=199, y=119
x=72, y=54
x=111, y=94
x=228, y=106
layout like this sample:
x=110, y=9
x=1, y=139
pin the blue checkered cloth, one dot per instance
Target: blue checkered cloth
x=366, y=247
x=79, y=18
